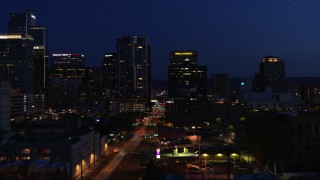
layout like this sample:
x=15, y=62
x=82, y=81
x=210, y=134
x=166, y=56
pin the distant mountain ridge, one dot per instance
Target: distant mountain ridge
x=234, y=82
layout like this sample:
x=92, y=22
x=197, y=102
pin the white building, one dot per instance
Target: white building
x=268, y=100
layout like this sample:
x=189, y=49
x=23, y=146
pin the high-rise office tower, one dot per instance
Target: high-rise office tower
x=272, y=73
x=17, y=106
x=220, y=86
x=133, y=58
x=66, y=75
x=19, y=22
x=40, y=61
x=90, y=90
x=185, y=77
x=67, y=66
x=110, y=72
x=16, y=65
x=5, y=106
x=26, y=23
x=187, y=103
x=110, y=82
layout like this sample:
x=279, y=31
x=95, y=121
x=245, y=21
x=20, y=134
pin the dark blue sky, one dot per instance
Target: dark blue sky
x=231, y=36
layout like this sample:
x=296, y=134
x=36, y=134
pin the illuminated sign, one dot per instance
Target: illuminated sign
x=38, y=47
x=61, y=55
x=10, y=36
x=183, y=53
x=33, y=16
x=108, y=55
x=169, y=102
x=158, y=153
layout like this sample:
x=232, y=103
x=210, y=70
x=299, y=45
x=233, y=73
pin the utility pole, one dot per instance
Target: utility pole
x=228, y=156
x=81, y=167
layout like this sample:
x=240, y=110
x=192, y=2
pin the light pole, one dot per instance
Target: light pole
x=199, y=153
x=205, y=160
x=228, y=156
x=205, y=165
x=81, y=166
x=199, y=142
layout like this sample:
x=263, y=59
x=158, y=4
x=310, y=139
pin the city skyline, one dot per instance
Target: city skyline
x=230, y=37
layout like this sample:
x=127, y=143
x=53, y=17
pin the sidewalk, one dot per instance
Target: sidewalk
x=93, y=171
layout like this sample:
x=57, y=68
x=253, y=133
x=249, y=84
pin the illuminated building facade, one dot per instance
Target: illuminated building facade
x=5, y=105
x=110, y=82
x=16, y=65
x=26, y=23
x=65, y=144
x=186, y=79
x=91, y=94
x=67, y=73
x=187, y=102
x=40, y=61
x=272, y=73
x=17, y=106
x=133, y=59
x=110, y=72
x=19, y=21
x=64, y=93
x=68, y=66
x=308, y=89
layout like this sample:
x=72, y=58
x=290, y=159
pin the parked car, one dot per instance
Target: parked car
x=207, y=170
x=193, y=171
x=163, y=165
x=191, y=165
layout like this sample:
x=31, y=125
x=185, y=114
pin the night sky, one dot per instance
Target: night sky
x=231, y=36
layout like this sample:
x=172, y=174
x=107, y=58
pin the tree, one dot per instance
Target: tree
x=153, y=170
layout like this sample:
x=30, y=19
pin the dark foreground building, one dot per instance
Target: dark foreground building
x=285, y=143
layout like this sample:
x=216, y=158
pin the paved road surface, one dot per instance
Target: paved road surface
x=126, y=151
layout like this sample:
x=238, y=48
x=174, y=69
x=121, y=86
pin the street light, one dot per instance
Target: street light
x=205, y=159
x=205, y=165
x=228, y=149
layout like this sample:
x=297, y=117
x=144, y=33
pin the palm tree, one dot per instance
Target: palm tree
x=153, y=170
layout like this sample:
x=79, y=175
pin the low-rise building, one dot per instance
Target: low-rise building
x=77, y=148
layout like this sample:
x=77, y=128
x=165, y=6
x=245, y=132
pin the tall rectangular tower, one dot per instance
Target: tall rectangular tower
x=187, y=103
x=5, y=106
x=272, y=73
x=19, y=22
x=67, y=73
x=16, y=65
x=26, y=23
x=185, y=77
x=110, y=72
x=68, y=66
x=133, y=58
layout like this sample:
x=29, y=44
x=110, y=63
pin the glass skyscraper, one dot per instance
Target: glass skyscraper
x=16, y=65
x=186, y=79
x=133, y=59
x=26, y=23
x=187, y=103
